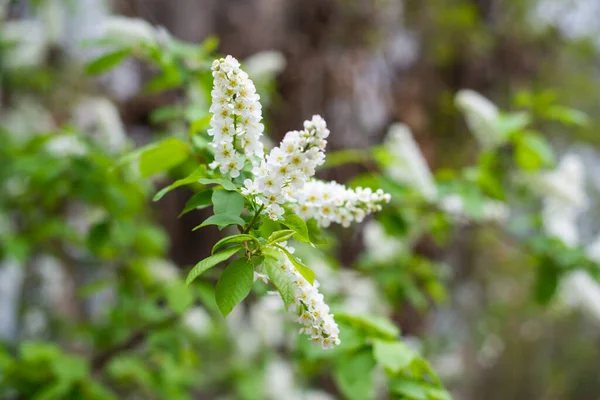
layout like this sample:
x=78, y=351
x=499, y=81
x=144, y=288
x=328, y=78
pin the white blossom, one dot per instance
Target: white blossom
x=30, y=44
x=267, y=319
x=197, y=320
x=236, y=125
x=279, y=381
x=566, y=184
x=579, y=290
x=331, y=202
x=560, y=222
x=282, y=177
x=243, y=334
x=262, y=277
x=26, y=118
x=130, y=31
x=99, y=118
x=282, y=174
x=310, y=308
x=65, y=145
x=379, y=245
x=408, y=165
x=482, y=118
x=162, y=271
x=360, y=293
x=265, y=64
x=492, y=210
x=593, y=250
x=564, y=198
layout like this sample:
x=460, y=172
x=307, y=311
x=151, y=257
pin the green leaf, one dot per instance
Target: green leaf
x=191, y=178
x=353, y=376
x=130, y=368
x=225, y=202
x=221, y=220
x=314, y=232
x=394, y=356
x=99, y=236
x=232, y=240
x=513, y=122
x=438, y=394
x=382, y=156
x=169, y=79
x=567, y=116
x=54, y=391
x=280, y=278
x=266, y=227
x=106, y=62
x=547, y=279
x=409, y=389
x=179, y=297
x=227, y=185
x=210, y=262
x=70, y=368
x=97, y=391
x=234, y=285
x=297, y=224
x=200, y=124
x=306, y=272
x=101, y=42
x=533, y=152
x=279, y=236
x=393, y=222
x=374, y=325
x=163, y=114
x=210, y=44
x=163, y=156
x=198, y=201
x=346, y=156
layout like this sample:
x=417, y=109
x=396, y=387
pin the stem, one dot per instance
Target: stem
x=247, y=229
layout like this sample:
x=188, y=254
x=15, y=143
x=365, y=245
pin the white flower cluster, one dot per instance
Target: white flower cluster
x=30, y=45
x=566, y=184
x=287, y=168
x=129, y=31
x=409, y=165
x=329, y=202
x=492, y=210
x=236, y=125
x=99, y=118
x=379, y=245
x=310, y=307
x=66, y=145
x=579, y=290
x=564, y=198
x=284, y=175
x=265, y=65
x=482, y=118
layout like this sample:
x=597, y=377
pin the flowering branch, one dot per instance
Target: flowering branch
x=282, y=185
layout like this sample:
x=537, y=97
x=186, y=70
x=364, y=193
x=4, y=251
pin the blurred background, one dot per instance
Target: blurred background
x=77, y=239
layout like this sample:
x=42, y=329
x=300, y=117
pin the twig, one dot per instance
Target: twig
x=247, y=229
